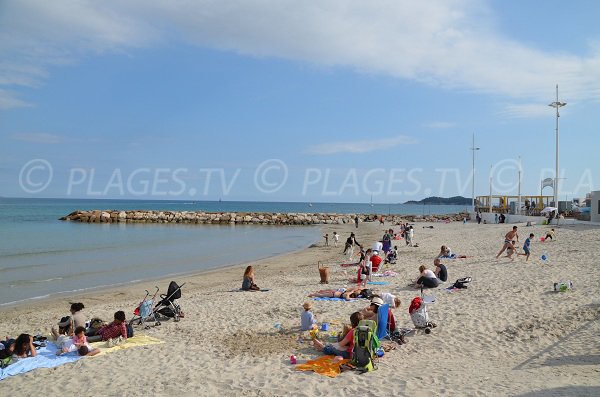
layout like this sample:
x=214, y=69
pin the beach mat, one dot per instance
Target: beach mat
x=323, y=298
x=134, y=341
x=323, y=366
x=378, y=282
x=47, y=358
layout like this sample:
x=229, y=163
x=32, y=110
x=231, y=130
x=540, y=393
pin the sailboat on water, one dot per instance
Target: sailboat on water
x=371, y=200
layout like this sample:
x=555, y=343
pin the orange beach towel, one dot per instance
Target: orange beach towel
x=323, y=365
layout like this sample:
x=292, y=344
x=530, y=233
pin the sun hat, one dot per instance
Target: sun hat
x=377, y=301
x=64, y=321
x=307, y=305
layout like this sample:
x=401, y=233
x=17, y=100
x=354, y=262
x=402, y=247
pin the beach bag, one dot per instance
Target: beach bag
x=365, y=346
x=461, y=283
x=366, y=294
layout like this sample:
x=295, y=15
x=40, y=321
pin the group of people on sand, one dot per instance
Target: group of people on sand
x=345, y=345
x=73, y=335
x=512, y=237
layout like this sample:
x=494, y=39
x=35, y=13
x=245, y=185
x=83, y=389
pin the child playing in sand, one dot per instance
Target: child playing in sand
x=550, y=234
x=347, y=342
x=336, y=239
x=527, y=246
x=510, y=251
x=307, y=318
x=326, y=237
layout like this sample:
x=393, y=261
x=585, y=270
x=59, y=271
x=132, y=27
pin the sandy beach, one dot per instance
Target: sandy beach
x=508, y=334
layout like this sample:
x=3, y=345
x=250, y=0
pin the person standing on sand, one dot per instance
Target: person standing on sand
x=336, y=239
x=508, y=241
x=356, y=221
x=326, y=236
x=496, y=219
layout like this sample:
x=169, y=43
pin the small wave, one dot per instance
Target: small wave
x=20, y=283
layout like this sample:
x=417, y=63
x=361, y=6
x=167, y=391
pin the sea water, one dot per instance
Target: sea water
x=42, y=256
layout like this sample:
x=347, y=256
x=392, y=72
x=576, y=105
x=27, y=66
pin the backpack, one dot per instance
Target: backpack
x=365, y=346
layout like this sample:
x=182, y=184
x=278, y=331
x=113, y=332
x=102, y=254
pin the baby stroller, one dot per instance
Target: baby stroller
x=167, y=305
x=143, y=312
x=419, y=316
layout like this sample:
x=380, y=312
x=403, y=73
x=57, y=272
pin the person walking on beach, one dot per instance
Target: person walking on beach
x=508, y=241
x=356, y=221
x=496, y=219
x=336, y=239
x=350, y=243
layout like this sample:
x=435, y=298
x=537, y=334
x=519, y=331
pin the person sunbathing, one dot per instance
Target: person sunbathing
x=341, y=293
x=24, y=347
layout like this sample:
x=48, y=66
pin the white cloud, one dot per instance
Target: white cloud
x=528, y=110
x=364, y=146
x=439, y=124
x=37, y=138
x=448, y=43
x=9, y=100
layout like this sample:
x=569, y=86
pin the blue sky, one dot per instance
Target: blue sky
x=296, y=101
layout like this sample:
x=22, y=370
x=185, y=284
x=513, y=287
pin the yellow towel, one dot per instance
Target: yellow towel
x=323, y=365
x=138, y=340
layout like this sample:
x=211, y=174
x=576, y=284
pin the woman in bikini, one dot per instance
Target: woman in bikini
x=341, y=293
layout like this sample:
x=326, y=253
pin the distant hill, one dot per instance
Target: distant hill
x=456, y=200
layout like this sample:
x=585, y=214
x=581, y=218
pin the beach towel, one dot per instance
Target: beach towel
x=378, y=282
x=138, y=340
x=382, y=321
x=47, y=358
x=323, y=298
x=325, y=365
x=387, y=273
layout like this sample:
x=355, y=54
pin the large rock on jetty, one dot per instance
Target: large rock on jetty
x=253, y=218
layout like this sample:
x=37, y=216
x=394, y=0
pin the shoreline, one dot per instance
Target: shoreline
x=77, y=294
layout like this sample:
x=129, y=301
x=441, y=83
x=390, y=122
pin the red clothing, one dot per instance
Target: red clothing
x=391, y=325
x=375, y=262
x=113, y=330
x=349, y=346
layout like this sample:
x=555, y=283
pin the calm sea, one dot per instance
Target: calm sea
x=41, y=256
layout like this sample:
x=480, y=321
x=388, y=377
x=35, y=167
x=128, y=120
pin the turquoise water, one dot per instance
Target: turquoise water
x=41, y=256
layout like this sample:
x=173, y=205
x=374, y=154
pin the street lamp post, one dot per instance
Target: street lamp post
x=474, y=149
x=557, y=105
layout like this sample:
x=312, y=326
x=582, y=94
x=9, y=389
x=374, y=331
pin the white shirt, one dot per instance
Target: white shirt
x=378, y=246
x=428, y=273
x=388, y=298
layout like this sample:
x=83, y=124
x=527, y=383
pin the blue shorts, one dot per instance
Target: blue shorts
x=526, y=250
x=332, y=351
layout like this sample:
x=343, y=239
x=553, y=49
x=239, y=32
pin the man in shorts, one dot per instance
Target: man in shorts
x=508, y=241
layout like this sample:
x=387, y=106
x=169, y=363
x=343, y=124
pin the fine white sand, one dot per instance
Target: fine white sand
x=507, y=334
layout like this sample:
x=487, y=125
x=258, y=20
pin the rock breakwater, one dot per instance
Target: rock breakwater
x=257, y=218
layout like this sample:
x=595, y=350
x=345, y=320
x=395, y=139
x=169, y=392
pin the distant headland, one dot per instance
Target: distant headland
x=434, y=200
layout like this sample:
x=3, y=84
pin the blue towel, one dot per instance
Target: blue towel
x=378, y=282
x=331, y=299
x=46, y=358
